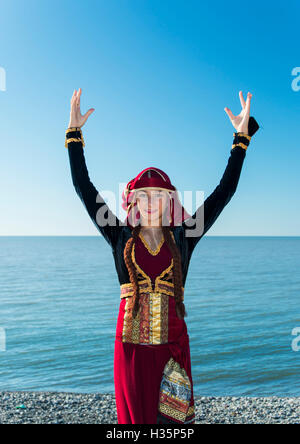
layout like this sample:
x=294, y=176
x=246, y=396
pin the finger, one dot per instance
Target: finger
x=243, y=103
x=229, y=113
x=78, y=97
x=73, y=96
x=249, y=95
x=88, y=113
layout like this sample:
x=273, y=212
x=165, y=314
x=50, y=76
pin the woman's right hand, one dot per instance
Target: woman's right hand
x=76, y=118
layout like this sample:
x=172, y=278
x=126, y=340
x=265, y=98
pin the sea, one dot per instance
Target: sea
x=59, y=302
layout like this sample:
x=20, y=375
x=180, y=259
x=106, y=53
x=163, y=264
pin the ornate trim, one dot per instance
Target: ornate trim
x=74, y=139
x=143, y=273
x=151, y=323
x=242, y=145
x=145, y=284
x=241, y=139
x=175, y=395
x=73, y=128
x=153, y=169
x=127, y=285
x=171, y=232
x=166, y=270
x=152, y=188
x=242, y=135
x=158, y=248
x=148, y=278
x=126, y=290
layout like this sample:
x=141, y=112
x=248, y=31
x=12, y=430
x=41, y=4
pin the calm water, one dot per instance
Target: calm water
x=60, y=299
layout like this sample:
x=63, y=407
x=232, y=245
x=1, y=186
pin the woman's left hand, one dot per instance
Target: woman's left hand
x=240, y=122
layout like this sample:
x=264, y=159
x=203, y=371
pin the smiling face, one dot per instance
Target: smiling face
x=152, y=203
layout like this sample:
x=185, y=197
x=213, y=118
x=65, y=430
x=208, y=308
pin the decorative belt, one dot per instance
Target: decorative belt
x=144, y=287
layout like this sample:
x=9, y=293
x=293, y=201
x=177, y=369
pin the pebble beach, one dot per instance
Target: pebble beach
x=76, y=408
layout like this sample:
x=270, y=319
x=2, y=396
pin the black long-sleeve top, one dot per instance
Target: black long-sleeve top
x=187, y=235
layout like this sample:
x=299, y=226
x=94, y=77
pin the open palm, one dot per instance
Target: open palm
x=76, y=118
x=240, y=122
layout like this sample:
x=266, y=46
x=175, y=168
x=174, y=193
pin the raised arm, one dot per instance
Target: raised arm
x=105, y=221
x=205, y=216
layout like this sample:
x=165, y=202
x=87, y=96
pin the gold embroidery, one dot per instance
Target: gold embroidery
x=150, y=326
x=240, y=144
x=175, y=393
x=145, y=274
x=140, y=270
x=151, y=323
x=164, y=318
x=152, y=169
x=127, y=321
x=127, y=289
x=146, y=284
x=158, y=248
x=191, y=410
x=73, y=128
x=169, y=293
x=173, y=413
x=127, y=285
x=152, y=188
x=72, y=139
x=242, y=135
x=155, y=313
x=172, y=234
x=144, y=318
x=135, y=322
x=162, y=287
x=174, y=366
x=166, y=270
x=166, y=283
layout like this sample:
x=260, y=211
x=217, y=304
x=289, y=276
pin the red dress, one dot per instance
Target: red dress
x=152, y=365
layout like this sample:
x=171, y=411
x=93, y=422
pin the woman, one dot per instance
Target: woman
x=152, y=249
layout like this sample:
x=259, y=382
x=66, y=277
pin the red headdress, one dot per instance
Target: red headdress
x=156, y=179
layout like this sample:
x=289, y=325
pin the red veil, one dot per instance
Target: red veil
x=152, y=178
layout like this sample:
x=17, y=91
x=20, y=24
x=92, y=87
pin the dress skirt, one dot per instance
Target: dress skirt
x=153, y=382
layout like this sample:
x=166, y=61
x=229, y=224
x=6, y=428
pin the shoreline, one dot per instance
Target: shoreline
x=41, y=407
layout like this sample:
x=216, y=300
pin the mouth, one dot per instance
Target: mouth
x=151, y=211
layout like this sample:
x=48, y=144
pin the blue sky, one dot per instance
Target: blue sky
x=159, y=74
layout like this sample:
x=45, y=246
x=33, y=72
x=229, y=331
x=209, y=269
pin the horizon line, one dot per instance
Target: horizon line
x=99, y=235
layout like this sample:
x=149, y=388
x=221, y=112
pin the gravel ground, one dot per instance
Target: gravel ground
x=76, y=408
